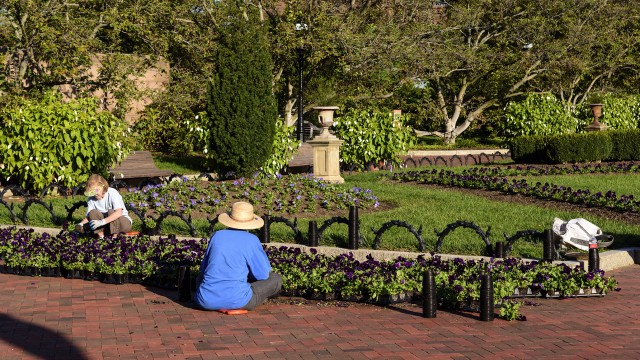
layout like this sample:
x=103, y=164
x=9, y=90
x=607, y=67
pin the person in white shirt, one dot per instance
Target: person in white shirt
x=106, y=213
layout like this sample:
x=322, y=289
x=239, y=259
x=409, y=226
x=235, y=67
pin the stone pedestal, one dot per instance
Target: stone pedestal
x=326, y=148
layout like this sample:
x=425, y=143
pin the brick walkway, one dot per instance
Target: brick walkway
x=55, y=318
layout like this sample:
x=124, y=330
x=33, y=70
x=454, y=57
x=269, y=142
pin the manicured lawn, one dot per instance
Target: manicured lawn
x=622, y=184
x=431, y=208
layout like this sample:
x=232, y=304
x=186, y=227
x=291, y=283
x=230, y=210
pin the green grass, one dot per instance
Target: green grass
x=183, y=165
x=421, y=206
x=622, y=184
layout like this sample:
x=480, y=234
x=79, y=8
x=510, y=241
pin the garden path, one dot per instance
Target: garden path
x=56, y=318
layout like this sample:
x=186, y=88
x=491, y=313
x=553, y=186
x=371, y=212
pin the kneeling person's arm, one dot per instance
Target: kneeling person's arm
x=259, y=265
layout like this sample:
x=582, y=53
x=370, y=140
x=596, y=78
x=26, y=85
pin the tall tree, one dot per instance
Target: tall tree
x=473, y=55
x=81, y=47
x=241, y=107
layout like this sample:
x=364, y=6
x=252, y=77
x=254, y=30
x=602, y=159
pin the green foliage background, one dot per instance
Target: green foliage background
x=51, y=140
x=545, y=114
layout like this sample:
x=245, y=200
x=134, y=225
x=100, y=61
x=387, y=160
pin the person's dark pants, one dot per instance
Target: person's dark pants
x=120, y=225
x=263, y=289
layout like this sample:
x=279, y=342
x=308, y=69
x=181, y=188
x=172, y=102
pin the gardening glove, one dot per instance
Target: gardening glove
x=79, y=227
x=94, y=224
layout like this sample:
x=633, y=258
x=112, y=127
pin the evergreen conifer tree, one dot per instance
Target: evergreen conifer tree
x=241, y=109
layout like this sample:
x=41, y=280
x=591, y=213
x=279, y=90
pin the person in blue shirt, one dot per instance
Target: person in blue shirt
x=235, y=271
x=106, y=213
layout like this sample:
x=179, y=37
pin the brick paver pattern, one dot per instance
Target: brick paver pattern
x=56, y=318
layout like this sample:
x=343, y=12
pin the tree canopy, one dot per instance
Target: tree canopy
x=462, y=57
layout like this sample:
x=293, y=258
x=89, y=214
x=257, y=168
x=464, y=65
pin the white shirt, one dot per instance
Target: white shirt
x=111, y=200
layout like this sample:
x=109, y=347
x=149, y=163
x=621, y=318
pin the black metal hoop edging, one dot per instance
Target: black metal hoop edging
x=325, y=224
x=78, y=188
x=15, y=190
x=388, y=225
x=444, y=161
x=70, y=210
x=510, y=240
x=465, y=224
x=118, y=184
x=425, y=160
x=293, y=225
x=29, y=202
x=12, y=214
x=167, y=213
x=409, y=160
x=466, y=159
x=485, y=156
x=61, y=190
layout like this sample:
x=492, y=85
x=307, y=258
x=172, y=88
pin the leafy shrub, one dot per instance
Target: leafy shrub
x=626, y=145
x=160, y=129
x=241, y=107
x=539, y=114
x=50, y=140
x=619, y=112
x=572, y=148
x=371, y=136
x=529, y=149
x=284, y=146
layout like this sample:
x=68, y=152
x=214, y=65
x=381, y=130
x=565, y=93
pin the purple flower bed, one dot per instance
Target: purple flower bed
x=307, y=274
x=281, y=194
x=494, y=179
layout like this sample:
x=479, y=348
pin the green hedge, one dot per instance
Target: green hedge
x=620, y=145
x=576, y=148
x=529, y=149
x=626, y=145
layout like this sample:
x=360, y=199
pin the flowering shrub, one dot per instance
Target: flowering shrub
x=277, y=194
x=539, y=114
x=51, y=140
x=372, y=136
x=284, y=146
x=545, y=114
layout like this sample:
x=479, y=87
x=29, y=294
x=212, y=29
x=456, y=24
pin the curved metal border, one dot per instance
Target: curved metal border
x=70, y=210
x=293, y=225
x=29, y=202
x=388, y=225
x=165, y=214
x=465, y=224
x=325, y=224
x=510, y=240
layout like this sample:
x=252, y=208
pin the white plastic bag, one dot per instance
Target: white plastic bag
x=580, y=233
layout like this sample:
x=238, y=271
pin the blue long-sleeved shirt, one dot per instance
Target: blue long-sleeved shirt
x=231, y=256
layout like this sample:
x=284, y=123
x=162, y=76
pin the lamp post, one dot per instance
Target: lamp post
x=300, y=127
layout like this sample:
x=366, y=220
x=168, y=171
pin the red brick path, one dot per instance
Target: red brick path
x=55, y=318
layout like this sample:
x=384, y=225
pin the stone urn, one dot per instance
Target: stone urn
x=325, y=117
x=596, y=125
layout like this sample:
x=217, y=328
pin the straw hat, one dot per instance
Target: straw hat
x=241, y=217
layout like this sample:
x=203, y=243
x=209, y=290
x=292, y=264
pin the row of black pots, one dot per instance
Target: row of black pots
x=71, y=274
